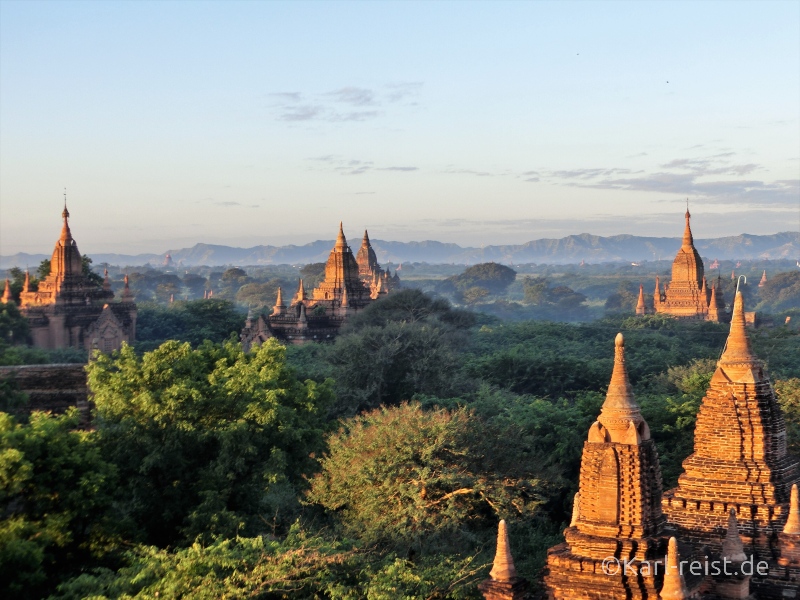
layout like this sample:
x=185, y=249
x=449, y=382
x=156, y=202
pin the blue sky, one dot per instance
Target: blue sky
x=172, y=123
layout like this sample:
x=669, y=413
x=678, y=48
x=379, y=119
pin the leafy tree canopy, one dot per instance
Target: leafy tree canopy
x=208, y=440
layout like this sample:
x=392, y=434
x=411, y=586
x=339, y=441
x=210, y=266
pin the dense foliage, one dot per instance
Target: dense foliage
x=206, y=440
x=376, y=466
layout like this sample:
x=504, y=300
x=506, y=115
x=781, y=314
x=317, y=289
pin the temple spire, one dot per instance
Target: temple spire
x=640, y=307
x=619, y=408
x=26, y=285
x=793, y=522
x=341, y=241
x=732, y=547
x=106, y=280
x=687, y=231
x=365, y=241
x=6, y=293
x=503, y=568
x=66, y=234
x=737, y=348
x=674, y=587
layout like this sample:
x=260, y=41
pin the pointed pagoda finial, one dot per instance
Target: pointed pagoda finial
x=365, y=241
x=793, y=522
x=301, y=292
x=106, y=280
x=763, y=281
x=657, y=292
x=503, y=567
x=737, y=348
x=26, y=285
x=576, y=510
x=640, y=306
x=732, y=547
x=674, y=587
x=687, y=231
x=6, y=293
x=279, y=299
x=66, y=234
x=620, y=405
x=341, y=241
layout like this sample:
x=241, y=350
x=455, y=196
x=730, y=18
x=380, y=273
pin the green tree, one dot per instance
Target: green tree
x=312, y=274
x=43, y=270
x=207, y=441
x=193, y=321
x=535, y=290
x=416, y=480
x=55, y=488
x=86, y=269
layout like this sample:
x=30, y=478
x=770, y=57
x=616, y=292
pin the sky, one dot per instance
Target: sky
x=245, y=123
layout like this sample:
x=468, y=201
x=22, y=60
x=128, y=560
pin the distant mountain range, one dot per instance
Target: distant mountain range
x=570, y=249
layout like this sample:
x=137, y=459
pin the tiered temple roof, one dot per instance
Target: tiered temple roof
x=618, y=510
x=351, y=283
x=740, y=460
x=69, y=309
x=688, y=295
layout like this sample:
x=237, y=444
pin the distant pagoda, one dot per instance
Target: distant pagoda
x=688, y=295
x=69, y=310
x=351, y=284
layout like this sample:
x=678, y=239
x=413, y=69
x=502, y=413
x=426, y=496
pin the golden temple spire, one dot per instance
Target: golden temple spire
x=66, y=234
x=674, y=587
x=793, y=522
x=640, y=307
x=687, y=232
x=503, y=568
x=6, y=293
x=301, y=292
x=737, y=349
x=620, y=406
x=279, y=299
x=365, y=241
x=341, y=242
x=26, y=285
x=106, y=280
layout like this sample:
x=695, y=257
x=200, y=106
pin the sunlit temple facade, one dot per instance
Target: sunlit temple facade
x=688, y=295
x=351, y=283
x=736, y=502
x=69, y=310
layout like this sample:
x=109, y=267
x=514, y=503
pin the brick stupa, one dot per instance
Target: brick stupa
x=618, y=506
x=351, y=283
x=687, y=295
x=68, y=309
x=739, y=460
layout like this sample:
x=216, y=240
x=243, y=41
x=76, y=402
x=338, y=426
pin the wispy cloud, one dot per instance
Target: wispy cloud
x=337, y=105
x=690, y=177
x=357, y=167
x=354, y=95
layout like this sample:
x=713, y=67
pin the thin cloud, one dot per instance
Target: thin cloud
x=398, y=169
x=301, y=113
x=353, y=95
x=401, y=91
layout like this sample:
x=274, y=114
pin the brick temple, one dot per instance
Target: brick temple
x=69, y=310
x=687, y=295
x=736, y=503
x=351, y=284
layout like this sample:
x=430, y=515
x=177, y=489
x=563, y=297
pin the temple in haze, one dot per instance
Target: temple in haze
x=70, y=310
x=687, y=295
x=736, y=504
x=351, y=283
